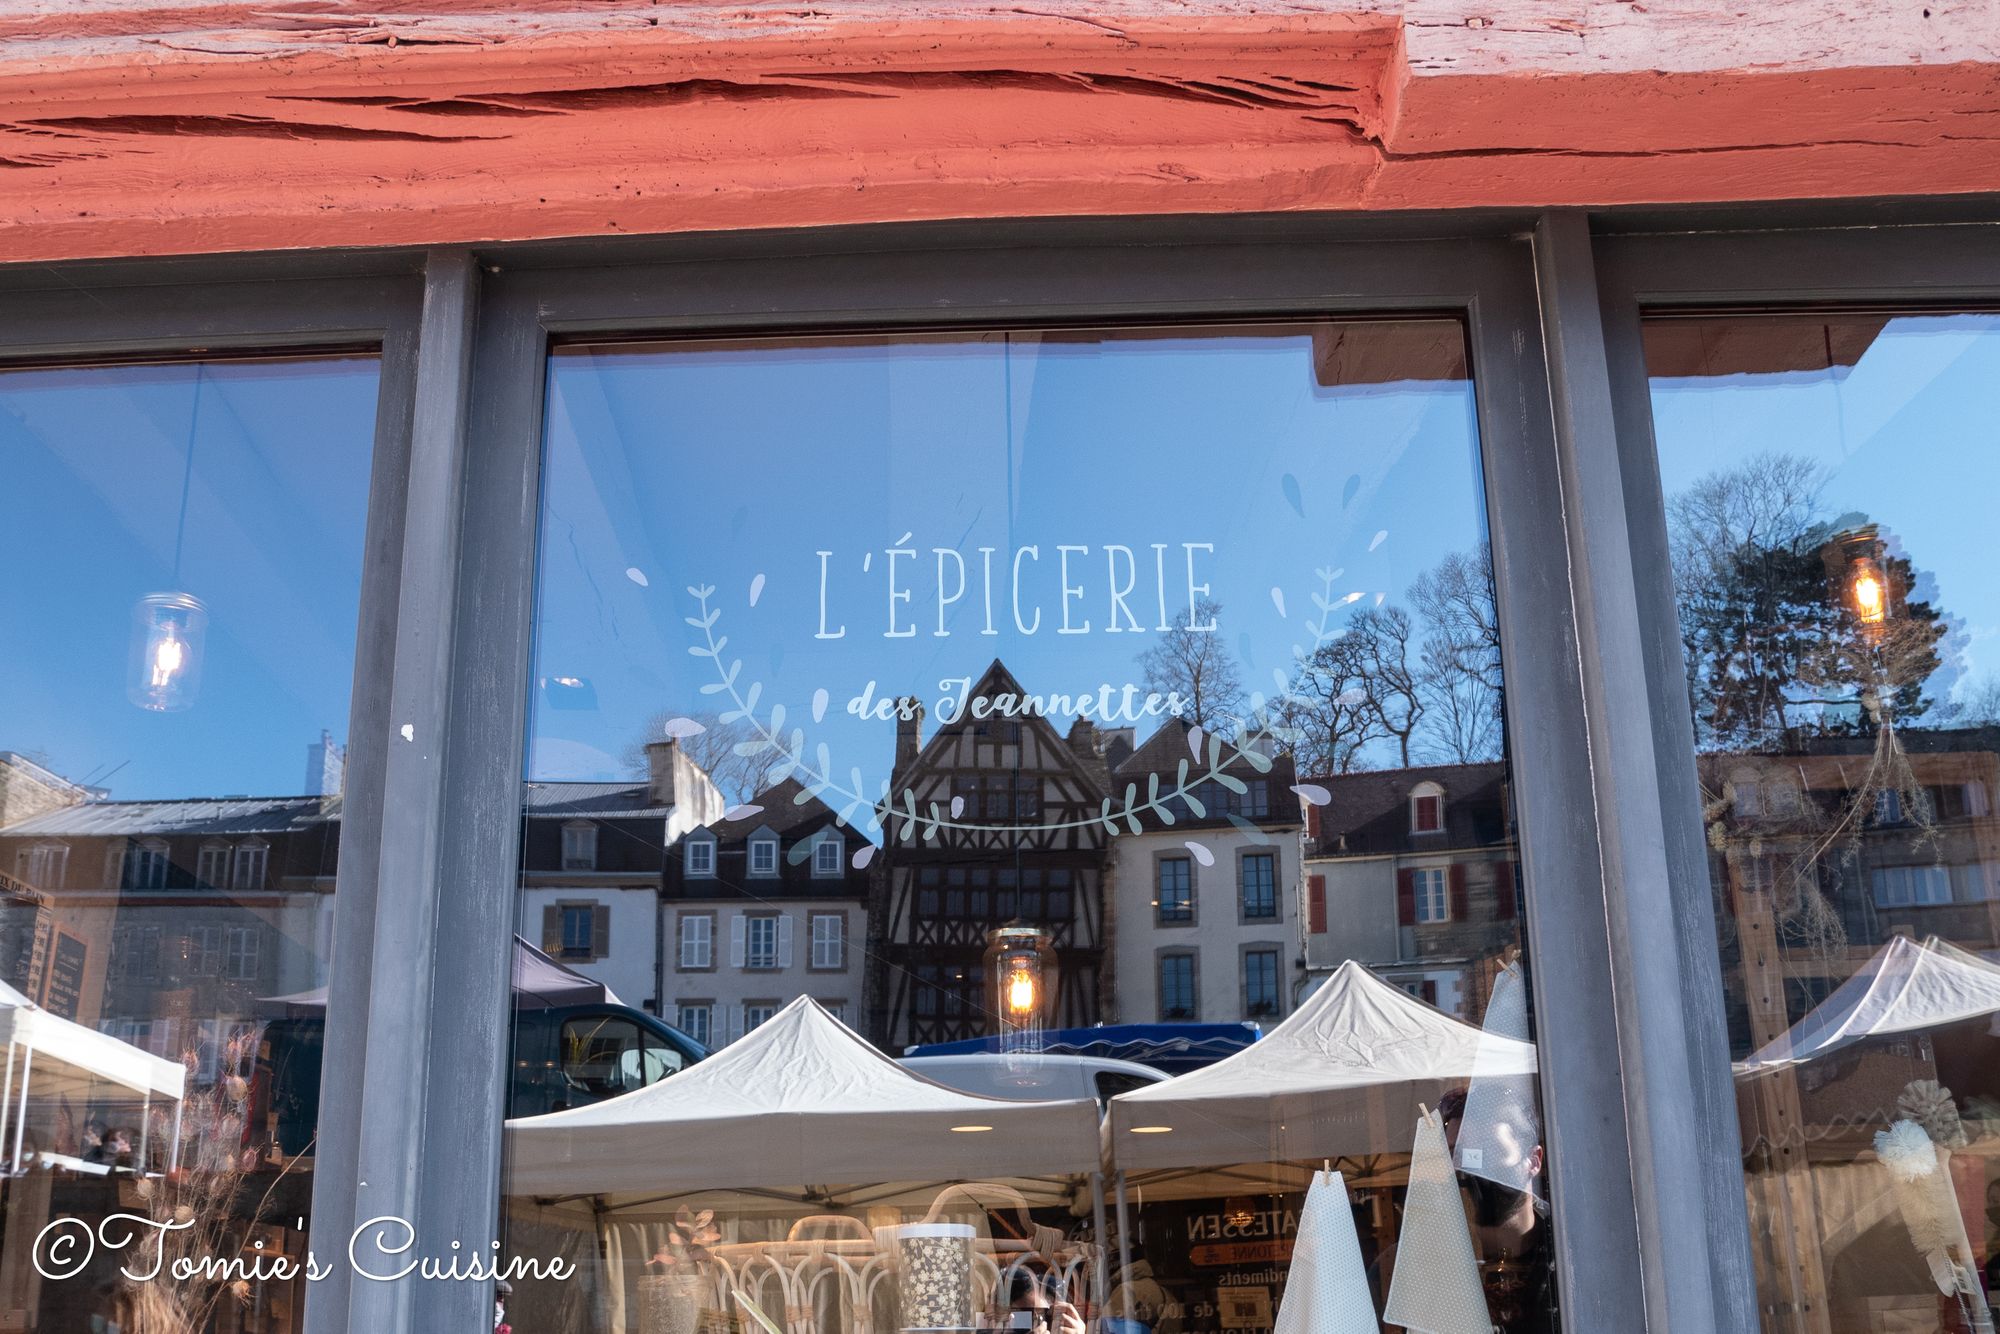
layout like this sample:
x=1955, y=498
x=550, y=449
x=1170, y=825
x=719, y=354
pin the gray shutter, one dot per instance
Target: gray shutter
x=785, y=941
x=600, y=931
x=736, y=929
x=552, y=931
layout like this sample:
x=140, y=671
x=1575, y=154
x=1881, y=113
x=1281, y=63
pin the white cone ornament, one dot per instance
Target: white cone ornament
x=1500, y=1128
x=1327, y=1289
x=1436, y=1287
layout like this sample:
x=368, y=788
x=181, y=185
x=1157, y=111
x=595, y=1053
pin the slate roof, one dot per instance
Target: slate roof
x=1370, y=810
x=591, y=801
x=190, y=815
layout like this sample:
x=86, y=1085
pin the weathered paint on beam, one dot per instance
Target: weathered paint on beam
x=137, y=126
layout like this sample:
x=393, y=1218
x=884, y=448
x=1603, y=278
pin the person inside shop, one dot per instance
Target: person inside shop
x=1511, y=1236
x=1037, y=1303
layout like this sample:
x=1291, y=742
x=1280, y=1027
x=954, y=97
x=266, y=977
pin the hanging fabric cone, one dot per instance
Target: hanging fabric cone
x=1435, y=1289
x=1500, y=1128
x=1327, y=1289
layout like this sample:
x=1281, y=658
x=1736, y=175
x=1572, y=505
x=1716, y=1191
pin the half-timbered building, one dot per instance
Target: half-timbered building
x=1017, y=839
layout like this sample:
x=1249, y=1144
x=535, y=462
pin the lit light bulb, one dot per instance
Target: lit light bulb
x=1868, y=596
x=1020, y=992
x=165, y=664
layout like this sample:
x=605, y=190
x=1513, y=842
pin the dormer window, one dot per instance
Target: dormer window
x=827, y=855
x=579, y=846
x=251, y=860
x=1426, y=809
x=701, y=858
x=764, y=855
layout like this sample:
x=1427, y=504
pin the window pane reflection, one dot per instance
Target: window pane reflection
x=1061, y=713
x=1828, y=480
x=184, y=573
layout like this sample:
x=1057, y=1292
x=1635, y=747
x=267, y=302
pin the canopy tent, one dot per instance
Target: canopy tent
x=800, y=1099
x=539, y=982
x=61, y=1057
x=1342, y=1077
x=1173, y=1047
x=1905, y=988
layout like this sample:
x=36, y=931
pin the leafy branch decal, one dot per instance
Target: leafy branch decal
x=1210, y=758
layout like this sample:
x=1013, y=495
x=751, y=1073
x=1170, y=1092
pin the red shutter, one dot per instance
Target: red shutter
x=1503, y=890
x=1406, y=897
x=1460, y=910
x=1316, y=904
x=1312, y=822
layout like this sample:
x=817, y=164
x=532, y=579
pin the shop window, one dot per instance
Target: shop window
x=914, y=599
x=1834, y=613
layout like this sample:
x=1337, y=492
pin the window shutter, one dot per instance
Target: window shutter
x=600, y=931
x=785, y=942
x=1406, y=897
x=1460, y=908
x=736, y=929
x=1504, y=890
x=1316, y=904
x=552, y=930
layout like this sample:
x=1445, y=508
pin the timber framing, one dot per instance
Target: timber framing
x=147, y=127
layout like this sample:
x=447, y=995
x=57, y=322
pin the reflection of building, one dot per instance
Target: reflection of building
x=1017, y=837
x=165, y=921
x=1205, y=914
x=591, y=856
x=758, y=909
x=1876, y=863
x=1412, y=872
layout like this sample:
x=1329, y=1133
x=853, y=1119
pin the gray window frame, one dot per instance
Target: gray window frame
x=1650, y=1222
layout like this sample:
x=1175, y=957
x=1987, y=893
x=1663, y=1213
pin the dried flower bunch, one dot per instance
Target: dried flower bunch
x=688, y=1241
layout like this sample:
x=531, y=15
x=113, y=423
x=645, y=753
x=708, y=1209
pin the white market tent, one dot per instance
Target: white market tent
x=1906, y=987
x=1342, y=1077
x=58, y=1056
x=802, y=1099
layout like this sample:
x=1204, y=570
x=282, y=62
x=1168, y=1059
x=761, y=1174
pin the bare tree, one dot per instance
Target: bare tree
x=713, y=749
x=1197, y=666
x=1459, y=667
x=1329, y=720
x=1389, y=673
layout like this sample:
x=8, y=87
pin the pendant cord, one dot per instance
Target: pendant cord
x=187, y=476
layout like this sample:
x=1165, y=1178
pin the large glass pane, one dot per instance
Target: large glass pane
x=185, y=549
x=1062, y=714
x=1828, y=482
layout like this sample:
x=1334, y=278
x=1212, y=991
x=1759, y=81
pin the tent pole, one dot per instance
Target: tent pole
x=7, y=1094
x=1124, y=1245
x=174, y=1149
x=1099, y=1287
x=145, y=1131
x=20, y=1125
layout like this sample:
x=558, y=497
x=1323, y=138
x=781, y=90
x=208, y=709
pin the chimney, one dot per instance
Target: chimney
x=909, y=731
x=660, y=761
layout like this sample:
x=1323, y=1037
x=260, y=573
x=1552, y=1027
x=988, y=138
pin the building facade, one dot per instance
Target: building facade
x=1206, y=912
x=758, y=908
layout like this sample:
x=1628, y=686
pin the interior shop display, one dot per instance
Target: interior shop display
x=1326, y=1291
x=934, y=1275
x=1435, y=1287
